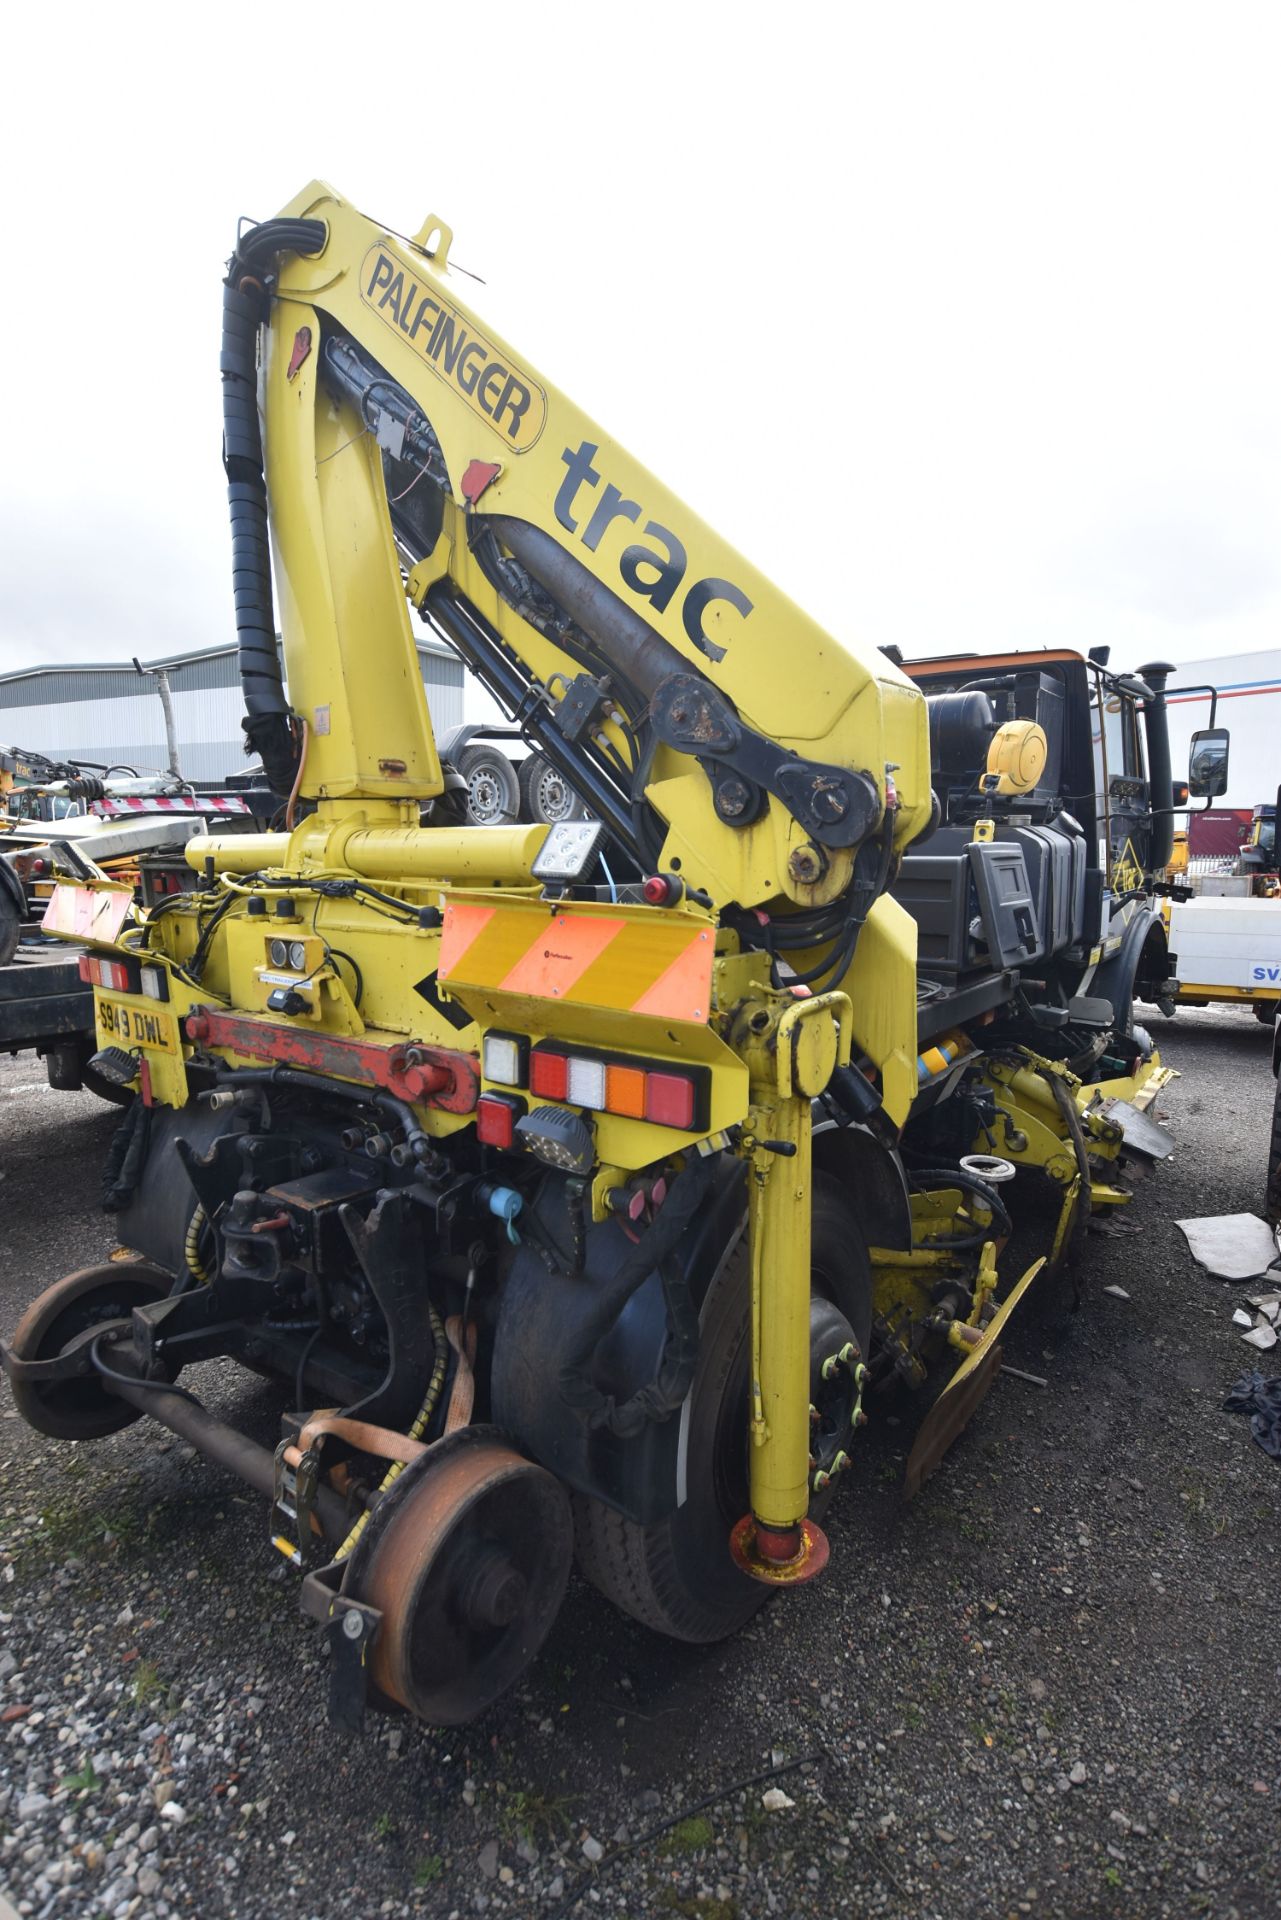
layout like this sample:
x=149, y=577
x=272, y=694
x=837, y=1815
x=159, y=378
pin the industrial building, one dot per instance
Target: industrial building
x=108, y=713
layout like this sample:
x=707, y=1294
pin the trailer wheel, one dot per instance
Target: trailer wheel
x=677, y=1575
x=546, y=797
x=10, y=928
x=493, y=791
x=1273, y=1208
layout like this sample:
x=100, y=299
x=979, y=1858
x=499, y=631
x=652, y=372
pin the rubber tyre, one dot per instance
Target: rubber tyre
x=1265, y=1012
x=493, y=791
x=79, y=1409
x=546, y=797
x=1273, y=1208
x=677, y=1575
x=10, y=928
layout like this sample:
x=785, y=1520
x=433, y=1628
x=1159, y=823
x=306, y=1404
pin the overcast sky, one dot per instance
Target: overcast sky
x=960, y=321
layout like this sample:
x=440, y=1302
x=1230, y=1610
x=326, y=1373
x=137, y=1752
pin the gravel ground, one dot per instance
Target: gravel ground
x=1048, y=1687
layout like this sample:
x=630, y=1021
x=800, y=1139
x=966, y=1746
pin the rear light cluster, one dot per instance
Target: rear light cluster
x=600, y=1082
x=124, y=976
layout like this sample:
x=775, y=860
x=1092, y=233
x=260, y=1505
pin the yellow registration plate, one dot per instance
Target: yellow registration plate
x=136, y=1022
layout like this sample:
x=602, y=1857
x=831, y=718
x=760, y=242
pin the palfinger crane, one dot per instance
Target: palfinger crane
x=539, y=1181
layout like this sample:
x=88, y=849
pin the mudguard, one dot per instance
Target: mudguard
x=155, y=1222
x=1116, y=976
x=540, y=1311
x=13, y=888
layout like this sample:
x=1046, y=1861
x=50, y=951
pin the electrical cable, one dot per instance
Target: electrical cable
x=300, y=1375
x=292, y=801
x=138, y=1379
x=337, y=953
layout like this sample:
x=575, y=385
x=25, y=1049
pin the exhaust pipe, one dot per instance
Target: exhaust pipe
x=1156, y=724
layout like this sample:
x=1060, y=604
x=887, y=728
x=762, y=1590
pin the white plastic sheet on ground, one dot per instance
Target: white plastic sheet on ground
x=1236, y=1246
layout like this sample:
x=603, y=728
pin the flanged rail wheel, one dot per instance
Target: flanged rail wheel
x=468, y=1565
x=83, y=1408
x=677, y=1575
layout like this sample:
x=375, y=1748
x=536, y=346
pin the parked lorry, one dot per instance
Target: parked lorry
x=582, y=1211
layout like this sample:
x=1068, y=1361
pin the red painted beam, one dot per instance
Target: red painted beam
x=430, y=1076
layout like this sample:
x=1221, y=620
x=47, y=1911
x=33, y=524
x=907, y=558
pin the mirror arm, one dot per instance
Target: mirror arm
x=1182, y=693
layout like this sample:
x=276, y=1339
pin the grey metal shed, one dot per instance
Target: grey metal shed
x=107, y=712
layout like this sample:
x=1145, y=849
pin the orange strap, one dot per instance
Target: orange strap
x=462, y=1396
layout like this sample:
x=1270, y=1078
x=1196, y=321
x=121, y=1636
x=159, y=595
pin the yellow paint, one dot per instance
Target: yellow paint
x=649, y=989
x=1240, y=996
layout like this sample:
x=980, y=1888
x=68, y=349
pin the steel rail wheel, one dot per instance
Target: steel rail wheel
x=468, y=1563
x=83, y=1408
x=677, y=1575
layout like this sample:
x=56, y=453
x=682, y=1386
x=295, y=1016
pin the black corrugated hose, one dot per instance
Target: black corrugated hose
x=267, y=724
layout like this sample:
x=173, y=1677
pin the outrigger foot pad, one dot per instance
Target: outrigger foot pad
x=746, y=1549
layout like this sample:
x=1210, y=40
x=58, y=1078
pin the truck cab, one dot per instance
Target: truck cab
x=1054, y=809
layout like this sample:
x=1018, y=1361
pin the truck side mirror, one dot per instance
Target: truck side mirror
x=1208, y=763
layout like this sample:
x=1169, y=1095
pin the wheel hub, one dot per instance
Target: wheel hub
x=837, y=1374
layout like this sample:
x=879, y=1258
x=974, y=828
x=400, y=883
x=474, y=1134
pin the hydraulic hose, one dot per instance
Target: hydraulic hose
x=267, y=727
x=1076, y=1133
x=422, y=1421
x=924, y=1177
x=398, y=1110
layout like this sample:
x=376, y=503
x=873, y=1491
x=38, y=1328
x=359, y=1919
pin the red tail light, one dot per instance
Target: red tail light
x=669, y=1100
x=620, y=1084
x=496, y=1117
x=549, y=1074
